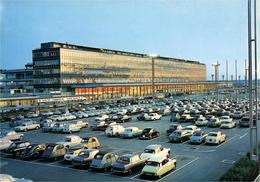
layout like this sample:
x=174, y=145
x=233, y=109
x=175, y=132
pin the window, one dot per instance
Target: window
x=46, y=62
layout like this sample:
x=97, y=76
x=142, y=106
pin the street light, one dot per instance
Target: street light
x=153, y=56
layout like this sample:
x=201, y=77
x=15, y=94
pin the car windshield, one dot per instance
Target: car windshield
x=146, y=130
x=177, y=133
x=85, y=154
x=152, y=163
x=197, y=134
x=128, y=130
x=123, y=160
x=188, y=129
x=150, y=151
x=213, y=134
x=225, y=122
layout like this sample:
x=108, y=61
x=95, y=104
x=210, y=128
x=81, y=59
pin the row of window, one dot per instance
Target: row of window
x=46, y=62
x=46, y=71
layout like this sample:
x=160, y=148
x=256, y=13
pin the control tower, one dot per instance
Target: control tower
x=216, y=69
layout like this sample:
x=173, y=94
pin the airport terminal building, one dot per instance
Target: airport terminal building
x=103, y=73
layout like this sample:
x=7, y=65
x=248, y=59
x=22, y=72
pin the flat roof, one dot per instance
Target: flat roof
x=53, y=44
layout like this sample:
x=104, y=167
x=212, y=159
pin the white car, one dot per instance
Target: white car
x=81, y=114
x=68, y=116
x=80, y=123
x=103, y=117
x=47, y=113
x=215, y=137
x=131, y=132
x=114, y=130
x=70, y=128
x=55, y=118
x=191, y=129
x=9, y=178
x=152, y=117
x=152, y=151
x=58, y=127
x=201, y=122
x=225, y=118
x=27, y=126
x=5, y=143
x=71, y=141
x=12, y=135
x=228, y=124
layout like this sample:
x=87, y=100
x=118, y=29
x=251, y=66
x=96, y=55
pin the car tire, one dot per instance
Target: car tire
x=21, y=138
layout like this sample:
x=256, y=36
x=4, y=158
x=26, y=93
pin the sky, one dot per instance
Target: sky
x=202, y=30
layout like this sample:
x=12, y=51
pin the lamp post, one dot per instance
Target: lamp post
x=153, y=56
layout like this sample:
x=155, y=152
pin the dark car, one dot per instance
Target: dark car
x=53, y=151
x=244, y=122
x=16, y=148
x=119, y=118
x=141, y=117
x=179, y=136
x=128, y=163
x=172, y=128
x=33, y=151
x=149, y=133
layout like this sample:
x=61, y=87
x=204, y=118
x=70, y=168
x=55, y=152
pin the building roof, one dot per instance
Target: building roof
x=48, y=45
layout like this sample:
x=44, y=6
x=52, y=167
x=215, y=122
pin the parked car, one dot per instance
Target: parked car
x=142, y=116
x=201, y=122
x=198, y=137
x=228, y=124
x=102, y=125
x=31, y=115
x=16, y=148
x=127, y=163
x=215, y=137
x=155, y=151
x=152, y=117
x=48, y=127
x=214, y=122
x=103, y=117
x=58, y=127
x=175, y=117
x=157, y=167
x=114, y=130
x=90, y=143
x=122, y=118
x=191, y=128
x=179, y=136
x=85, y=157
x=5, y=143
x=53, y=151
x=173, y=127
x=33, y=151
x=186, y=118
x=70, y=128
x=68, y=116
x=149, y=133
x=131, y=132
x=71, y=142
x=9, y=178
x=238, y=114
x=225, y=118
x=27, y=126
x=47, y=113
x=244, y=122
x=81, y=114
x=103, y=160
x=80, y=123
x=13, y=124
x=12, y=135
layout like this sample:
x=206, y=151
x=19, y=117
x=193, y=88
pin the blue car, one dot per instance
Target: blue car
x=198, y=137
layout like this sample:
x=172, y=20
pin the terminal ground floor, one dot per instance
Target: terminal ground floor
x=112, y=91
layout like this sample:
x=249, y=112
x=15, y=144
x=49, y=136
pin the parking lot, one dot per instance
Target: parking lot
x=194, y=162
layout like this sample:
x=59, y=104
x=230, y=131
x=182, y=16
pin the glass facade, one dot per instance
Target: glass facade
x=64, y=67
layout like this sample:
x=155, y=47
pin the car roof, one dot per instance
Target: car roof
x=128, y=155
x=154, y=146
x=158, y=159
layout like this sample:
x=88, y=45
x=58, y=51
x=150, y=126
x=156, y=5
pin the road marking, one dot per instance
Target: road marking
x=226, y=141
x=178, y=169
x=3, y=164
x=204, y=151
x=243, y=135
x=226, y=161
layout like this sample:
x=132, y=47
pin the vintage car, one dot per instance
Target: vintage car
x=32, y=115
x=155, y=151
x=172, y=128
x=16, y=148
x=85, y=157
x=152, y=117
x=201, y=121
x=179, y=136
x=70, y=128
x=103, y=160
x=142, y=116
x=90, y=143
x=198, y=137
x=48, y=127
x=32, y=151
x=12, y=135
x=80, y=123
x=214, y=122
x=68, y=116
x=27, y=126
x=228, y=124
x=191, y=128
x=121, y=118
x=5, y=143
x=71, y=142
x=127, y=163
x=53, y=151
x=158, y=166
x=58, y=127
x=102, y=125
x=131, y=132
x=186, y=118
x=114, y=130
x=238, y=114
x=244, y=122
x=9, y=178
x=215, y=137
x=103, y=117
x=149, y=133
